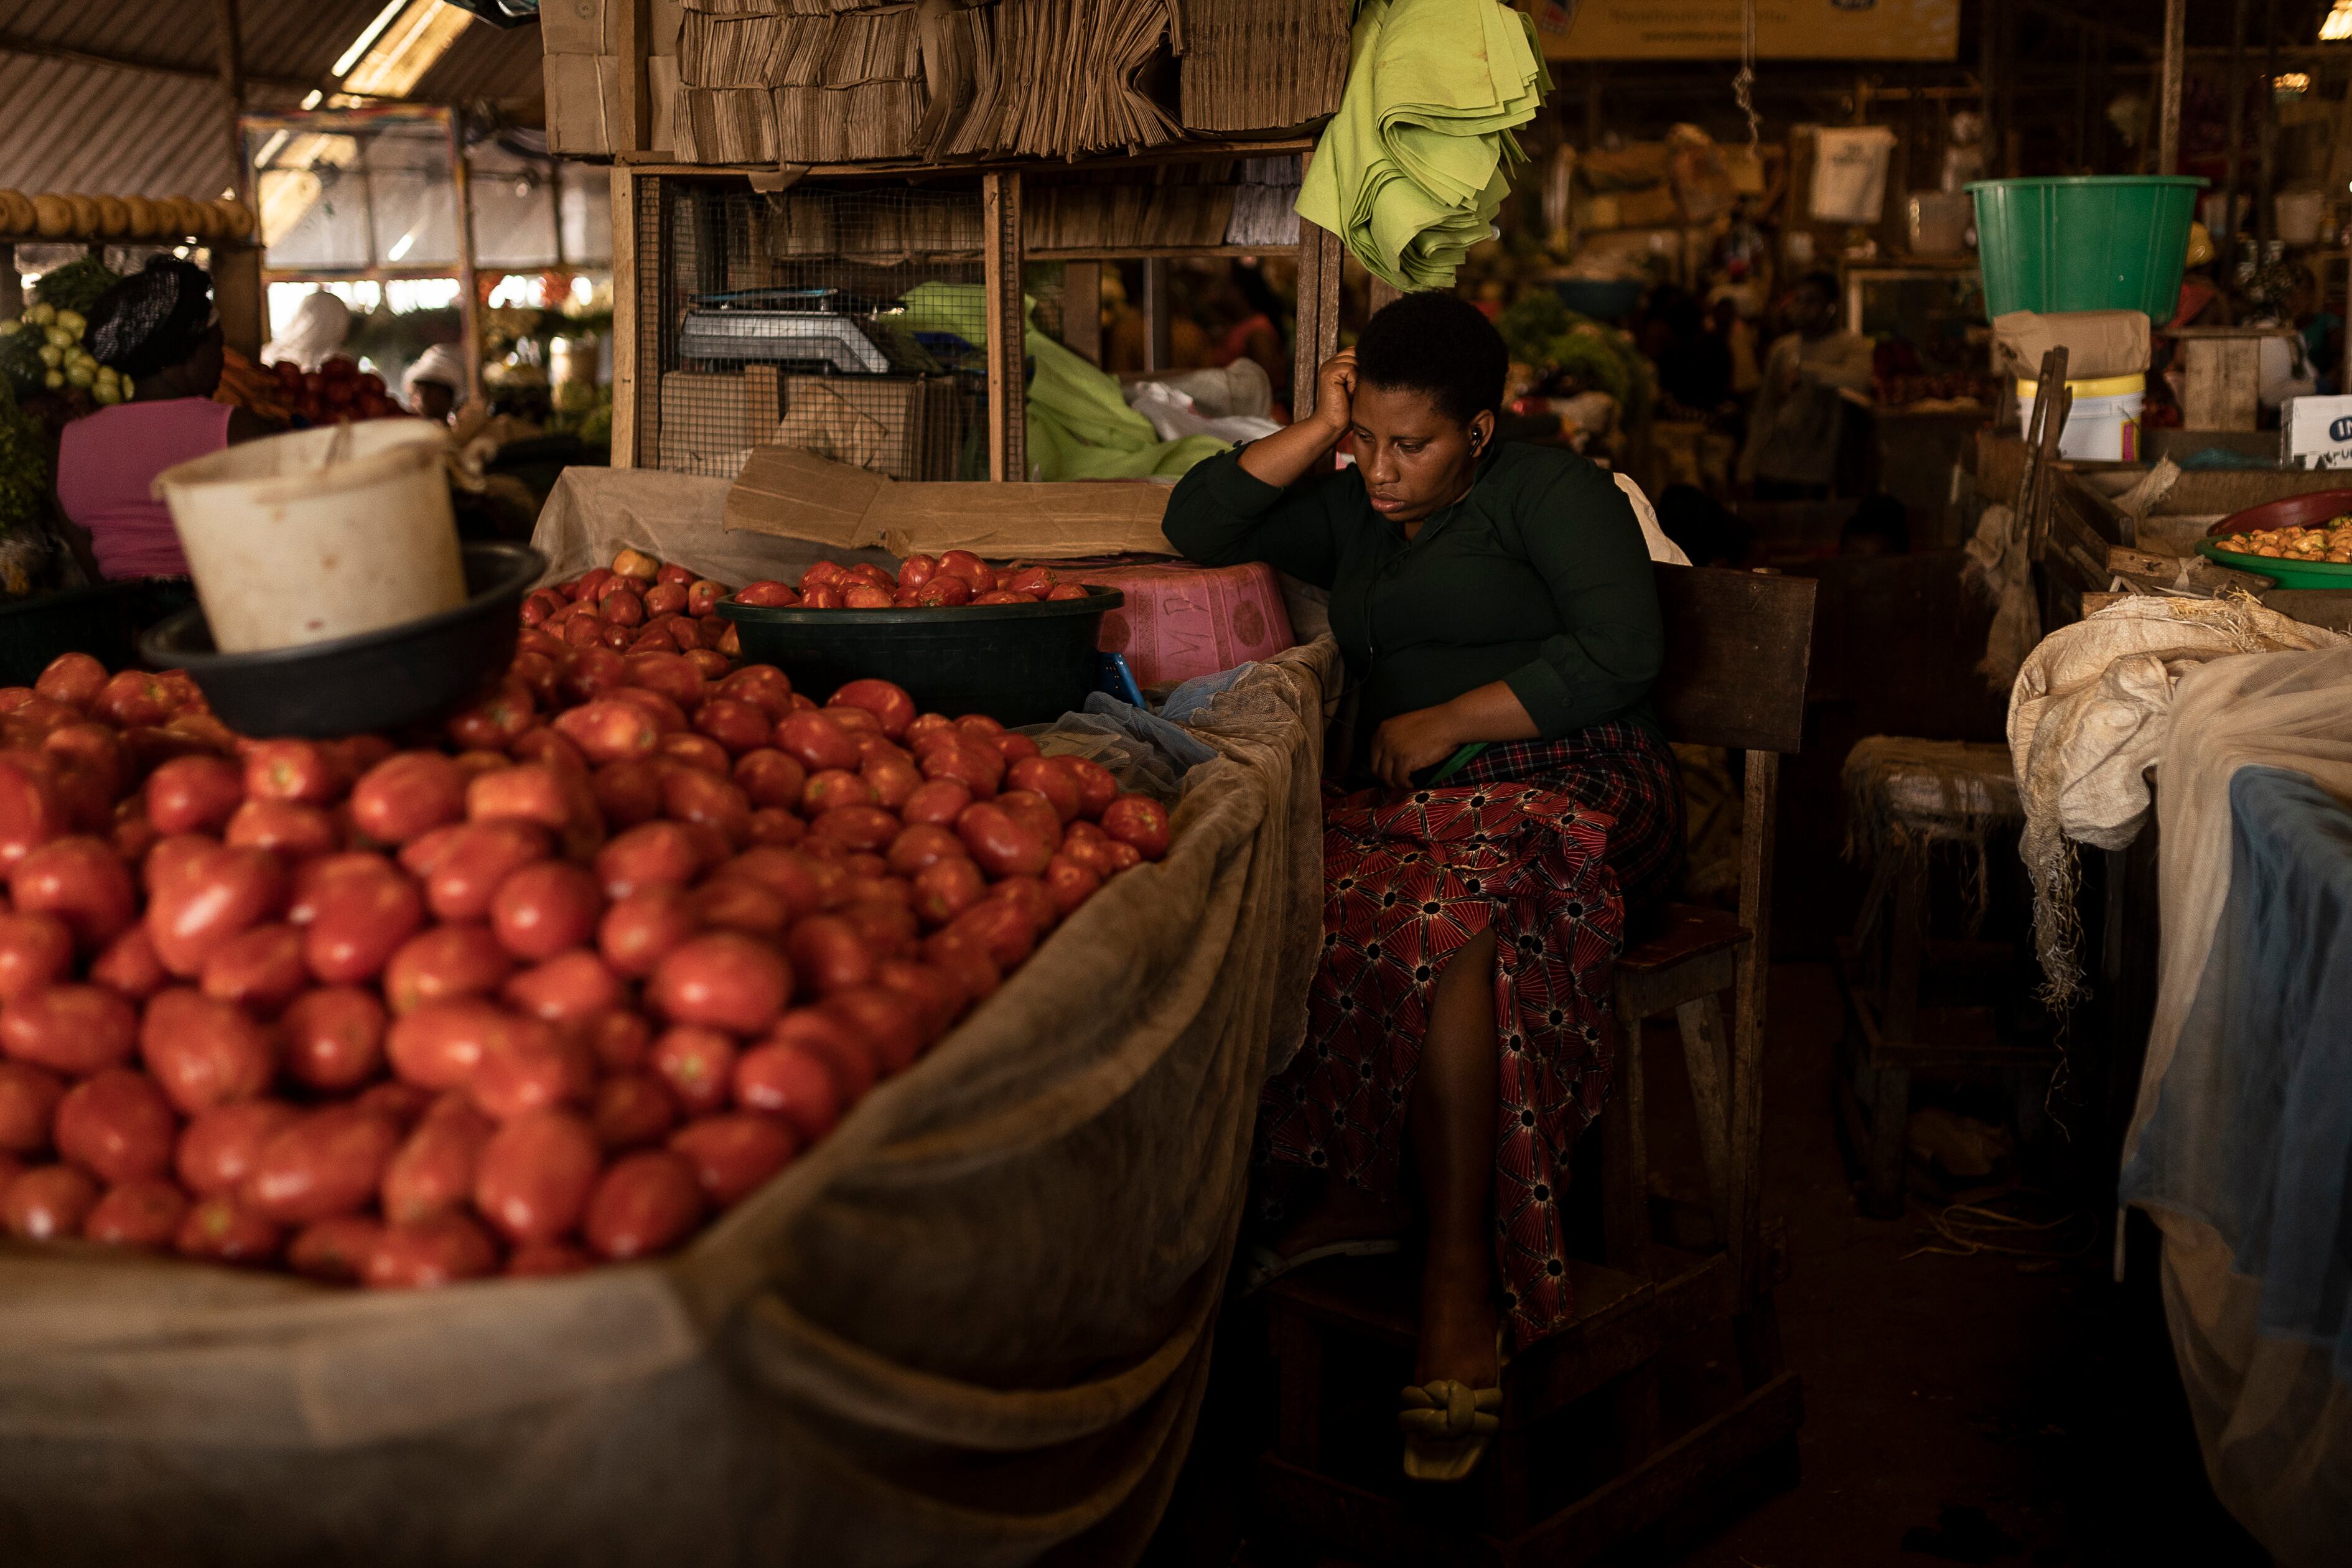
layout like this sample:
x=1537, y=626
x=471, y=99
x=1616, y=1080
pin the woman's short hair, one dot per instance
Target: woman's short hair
x=1439, y=344
x=152, y=320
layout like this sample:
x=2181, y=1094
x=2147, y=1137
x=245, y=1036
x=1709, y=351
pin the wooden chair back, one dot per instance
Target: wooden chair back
x=1739, y=645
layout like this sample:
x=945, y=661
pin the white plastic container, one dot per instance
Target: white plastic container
x=2103, y=424
x=320, y=533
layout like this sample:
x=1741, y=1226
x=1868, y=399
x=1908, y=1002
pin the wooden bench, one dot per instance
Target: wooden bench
x=1738, y=645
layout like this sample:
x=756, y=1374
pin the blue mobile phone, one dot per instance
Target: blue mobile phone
x=1112, y=675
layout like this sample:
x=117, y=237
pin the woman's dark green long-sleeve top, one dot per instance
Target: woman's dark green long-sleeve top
x=1538, y=577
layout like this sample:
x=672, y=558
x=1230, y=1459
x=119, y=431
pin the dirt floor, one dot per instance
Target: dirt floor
x=2035, y=1398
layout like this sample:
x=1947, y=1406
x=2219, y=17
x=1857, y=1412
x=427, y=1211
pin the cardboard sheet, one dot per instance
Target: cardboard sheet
x=794, y=495
x=2098, y=343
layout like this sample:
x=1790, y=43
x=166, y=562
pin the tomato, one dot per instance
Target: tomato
x=978, y=768
x=665, y=599
x=360, y=919
x=890, y=1024
x=407, y=795
x=117, y=1125
x=133, y=835
x=72, y=1029
x=695, y=1065
x=478, y=860
x=921, y=846
x=443, y=965
x=333, y=1037
x=29, y=1105
x=548, y=749
x=541, y=1260
x=938, y=995
x=261, y=969
x=621, y=1041
x=766, y=593
x=732, y=1153
x=1069, y=883
x=96, y=754
x=133, y=697
x=645, y=1204
x=708, y=800
x=938, y=803
x=72, y=678
x=433, y=1170
x=298, y=772
x=993, y=927
x=947, y=887
x=887, y=702
x=723, y=979
x=963, y=563
x=571, y=987
x=816, y=741
x=702, y=596
x=421, y=852
x=792, y=1083
x=638, y=566
x=738, y=903
x=328, y=1163
x=621, y=608
x=216, y=895
x=437, y=1046
x=336, y=1249
x=227, y=1229
x=862, y=726
x=34, y=952
x=671, y=676
x=428, y=1253
x=530, y=792
x=775, y=828
x=895, y=781
x=609, y=729
x=144, y=1212
x=770, y=778
x=829, y=954
x=1138, y=820
x=944, y=590
x=742, y=727
x=219, y=1147
x=543, y=908
x=644, y=926
x=888, y=924
x=1046, y=778
x=830, y=788
x=194, y=795
x=535, y=1174
x=633, y=1109
x=628, y=793
x=1001, y=845
x=296, y=832
x=48, y=1202
x=30, y=812
x=857, y=827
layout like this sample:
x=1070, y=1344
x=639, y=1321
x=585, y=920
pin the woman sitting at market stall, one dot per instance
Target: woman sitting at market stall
x=1498, y=608
x=158, y=328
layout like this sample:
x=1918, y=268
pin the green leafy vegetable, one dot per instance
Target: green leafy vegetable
x=77, y=285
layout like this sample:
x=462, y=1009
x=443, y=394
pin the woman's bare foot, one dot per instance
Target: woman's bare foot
x=1342, y=1213
x=1458, y=1320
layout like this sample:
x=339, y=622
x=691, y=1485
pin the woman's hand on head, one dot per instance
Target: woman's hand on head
x=1412, y=742
x=1335, y=393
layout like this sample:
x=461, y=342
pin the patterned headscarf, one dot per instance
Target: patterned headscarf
x=153, y=319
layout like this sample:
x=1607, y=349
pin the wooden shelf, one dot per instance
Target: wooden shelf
x=1173, y=153
x=124, y=239
x=1149, y=252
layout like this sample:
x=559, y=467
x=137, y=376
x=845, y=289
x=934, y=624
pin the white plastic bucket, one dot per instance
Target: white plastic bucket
x=2103, y=424
x=319, y=534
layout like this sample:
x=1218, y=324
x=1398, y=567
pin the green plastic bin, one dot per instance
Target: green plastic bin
x=2090, y=242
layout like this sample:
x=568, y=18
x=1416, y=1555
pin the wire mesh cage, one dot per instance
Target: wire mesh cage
x=849, y=319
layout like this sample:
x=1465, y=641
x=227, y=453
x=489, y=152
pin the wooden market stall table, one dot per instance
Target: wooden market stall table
x=970, y=1325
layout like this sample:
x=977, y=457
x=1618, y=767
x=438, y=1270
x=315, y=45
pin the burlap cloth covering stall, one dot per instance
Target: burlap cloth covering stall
x=2201, y=697
x=971, y=1327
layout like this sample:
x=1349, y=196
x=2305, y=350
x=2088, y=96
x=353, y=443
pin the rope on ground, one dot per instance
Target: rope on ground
x=1974, y=1230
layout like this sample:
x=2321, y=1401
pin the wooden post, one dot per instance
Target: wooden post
x=632, y=32
x=1082, y=310
x=1156, y=349
x=240, y=297
x=1383, y=293
x=1989, y=79
x=470, y=303
x=2175, y=62
x=1753, y=970
x=2266, y=150
x=626, y=435
x=1318, y=330
x=231, y=70
x=12, y=285
x=1008, y=396
x=2225, y=238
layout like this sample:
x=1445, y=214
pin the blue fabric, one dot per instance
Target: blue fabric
x=1186, y=749
x=1201, y=690
x=2251, y=1131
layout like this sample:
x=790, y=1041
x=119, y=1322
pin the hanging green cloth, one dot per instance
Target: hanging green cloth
x=1413, y=169
x=1079, y=425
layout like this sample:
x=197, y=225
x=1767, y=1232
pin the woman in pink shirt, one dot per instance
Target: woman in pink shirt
x=158, y=328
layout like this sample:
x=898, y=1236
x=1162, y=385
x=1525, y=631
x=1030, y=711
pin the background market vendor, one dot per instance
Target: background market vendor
x=1483, y=595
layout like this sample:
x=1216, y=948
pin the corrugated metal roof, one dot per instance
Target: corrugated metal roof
x=73, y=126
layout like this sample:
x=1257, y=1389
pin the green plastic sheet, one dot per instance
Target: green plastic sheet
x=1080, y=426
x=1413, y=169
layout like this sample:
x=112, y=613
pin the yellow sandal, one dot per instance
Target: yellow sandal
x=1446, y=1426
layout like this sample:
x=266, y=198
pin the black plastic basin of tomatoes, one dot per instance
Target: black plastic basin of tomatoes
x=1019, y=664
x=377, y=681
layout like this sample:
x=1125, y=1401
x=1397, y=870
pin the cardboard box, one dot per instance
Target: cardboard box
x=793, y=495
x=904, y=427
x=583, y=102
x=669, y=19
x=580, y=27
x=661, y=91
x=2098, y=343
x=710, y=421
x=2318, y=432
